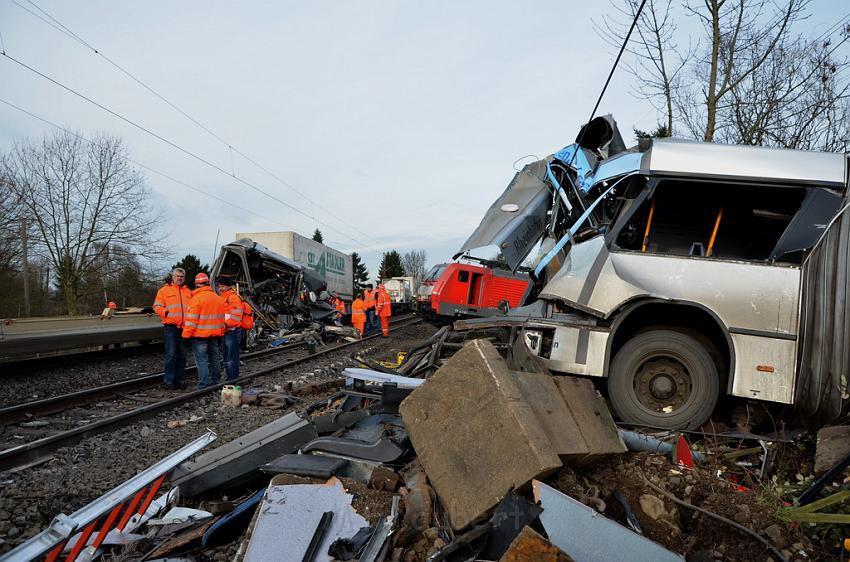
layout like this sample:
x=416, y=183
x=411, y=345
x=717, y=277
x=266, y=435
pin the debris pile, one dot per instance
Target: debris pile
x=291, y=302
x=488, y=457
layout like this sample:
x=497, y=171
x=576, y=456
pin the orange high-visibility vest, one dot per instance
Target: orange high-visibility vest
x=340, y=305
x=205, y=318
x=358, y=311
x=247, y=316
x=232, y=309
x=369, y=299
x=384, y=304
x=172, y=303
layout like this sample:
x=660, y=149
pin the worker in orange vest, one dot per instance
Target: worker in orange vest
x=339, y=304
x=247, y=316
x=384, y=309
x=358, y=313
x=205, y=326
x=370, y=301
x=233, y=309
x=172, y=304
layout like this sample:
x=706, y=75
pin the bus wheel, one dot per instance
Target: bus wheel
x=665, y=379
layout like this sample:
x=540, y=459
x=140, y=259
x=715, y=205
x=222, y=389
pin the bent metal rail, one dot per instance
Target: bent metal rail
x=34, y=452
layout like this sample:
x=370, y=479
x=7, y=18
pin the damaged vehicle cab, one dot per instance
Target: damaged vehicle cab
x=682, y=270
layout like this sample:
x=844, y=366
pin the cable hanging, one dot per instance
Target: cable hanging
x=141, y=165
x=178, y=147
x=62, y=28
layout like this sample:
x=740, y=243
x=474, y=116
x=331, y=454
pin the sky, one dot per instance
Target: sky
x=400, y=121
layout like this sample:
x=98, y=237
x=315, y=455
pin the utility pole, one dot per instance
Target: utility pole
x=26, y=268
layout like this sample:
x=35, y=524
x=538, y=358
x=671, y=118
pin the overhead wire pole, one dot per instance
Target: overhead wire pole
x=177, y=147
x=58, y=25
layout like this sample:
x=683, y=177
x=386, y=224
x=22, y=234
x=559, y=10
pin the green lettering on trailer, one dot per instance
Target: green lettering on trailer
x=327, y=263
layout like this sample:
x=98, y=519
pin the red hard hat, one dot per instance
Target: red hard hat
x=202, y=279
x=111, y=305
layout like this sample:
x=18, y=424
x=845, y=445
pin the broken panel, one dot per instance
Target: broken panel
x=516, y=221
x=809, y=224
x=764, y=367
x=283, y=294
x=742, y=295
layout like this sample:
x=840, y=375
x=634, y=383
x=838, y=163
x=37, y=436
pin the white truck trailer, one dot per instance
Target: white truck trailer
x=401, y=292
x=332, y=265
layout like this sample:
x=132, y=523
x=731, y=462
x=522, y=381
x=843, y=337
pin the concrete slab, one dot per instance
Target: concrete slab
x=592, y=417
x=565, y=433
x=475, y=433
x=832, y=447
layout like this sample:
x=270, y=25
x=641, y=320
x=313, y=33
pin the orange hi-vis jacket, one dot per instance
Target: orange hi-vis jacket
x=369, y=299
x=358, y=312
x=172, y=303
x=232, y=309
x=205, y=318
x=247, y=316
x=339, y=304
x=384, y=304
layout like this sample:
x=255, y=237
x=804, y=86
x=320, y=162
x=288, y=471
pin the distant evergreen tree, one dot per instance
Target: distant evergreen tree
x=317, y=236
x=660, y=132
x=193, y=266
x=390, y=266
x=359, y=272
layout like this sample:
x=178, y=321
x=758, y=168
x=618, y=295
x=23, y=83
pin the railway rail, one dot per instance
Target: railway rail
x=40, y=450
x=24, y=366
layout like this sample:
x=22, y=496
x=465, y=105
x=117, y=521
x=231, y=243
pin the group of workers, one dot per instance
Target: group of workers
x=369, y=306
x=205, y=320
x=210, y=322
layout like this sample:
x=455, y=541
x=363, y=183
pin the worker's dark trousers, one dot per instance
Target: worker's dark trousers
x=175, y=355
x=371, y=321
x=207, y=353
x=232, y=339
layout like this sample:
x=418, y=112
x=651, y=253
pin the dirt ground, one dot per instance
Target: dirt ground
x=676, y=527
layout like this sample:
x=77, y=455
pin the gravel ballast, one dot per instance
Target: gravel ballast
x=77, y=475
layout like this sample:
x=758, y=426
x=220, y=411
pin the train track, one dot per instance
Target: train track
x=24, y=366
x=40, y=450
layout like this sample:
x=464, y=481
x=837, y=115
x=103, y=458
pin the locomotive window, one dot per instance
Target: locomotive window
x=463, y=276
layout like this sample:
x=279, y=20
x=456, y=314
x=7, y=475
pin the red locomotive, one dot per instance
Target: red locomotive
x=464, y=289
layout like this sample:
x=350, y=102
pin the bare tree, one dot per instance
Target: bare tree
x=657, y=60
x=741, y=35
x=12, y=218
x=85, y=200
x=796, y=99
x=749, y=78
x=413, y=263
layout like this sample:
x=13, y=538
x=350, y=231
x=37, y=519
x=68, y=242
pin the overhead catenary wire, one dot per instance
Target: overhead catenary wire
x=608, y=80
x=58, y=25
x=141, y=165
x=178, y=147
x=843, y=20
